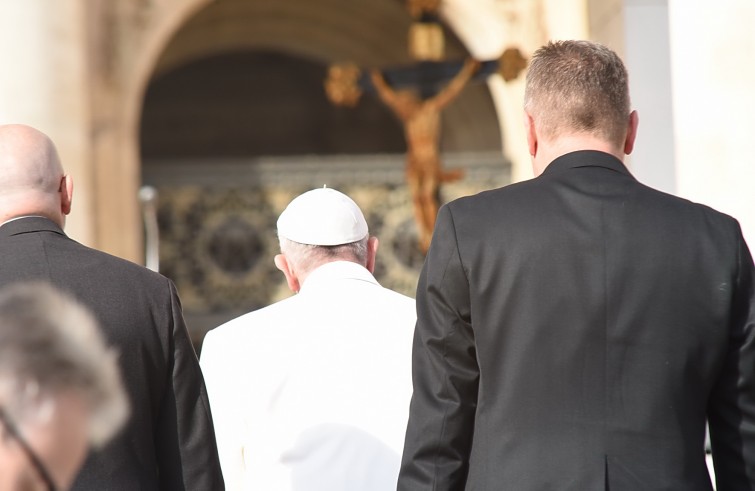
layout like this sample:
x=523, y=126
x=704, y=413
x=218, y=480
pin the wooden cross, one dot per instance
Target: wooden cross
x=417, y=94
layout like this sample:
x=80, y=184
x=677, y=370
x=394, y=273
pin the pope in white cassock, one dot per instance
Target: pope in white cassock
x=312, y=393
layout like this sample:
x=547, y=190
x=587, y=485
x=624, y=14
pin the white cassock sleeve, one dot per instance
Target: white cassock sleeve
x=217, y=363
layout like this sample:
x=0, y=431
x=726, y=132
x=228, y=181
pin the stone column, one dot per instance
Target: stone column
x=44, y=83
x=126, y=39
x=712, y=48
x=648, y=62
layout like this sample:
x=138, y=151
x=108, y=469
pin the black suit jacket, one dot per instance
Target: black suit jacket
x=169, y=441
x=574, y=332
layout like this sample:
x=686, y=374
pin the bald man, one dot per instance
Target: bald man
x=169, y=441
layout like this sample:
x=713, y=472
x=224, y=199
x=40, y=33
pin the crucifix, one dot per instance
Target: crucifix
x=421, y=121
x=417, y=94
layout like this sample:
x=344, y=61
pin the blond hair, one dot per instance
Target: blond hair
x=578, y=87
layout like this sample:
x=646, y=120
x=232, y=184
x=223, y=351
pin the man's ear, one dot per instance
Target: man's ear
x=66, y=194
x=529, y=127
x=634, y=122
x=281, y=262
x=372, y=247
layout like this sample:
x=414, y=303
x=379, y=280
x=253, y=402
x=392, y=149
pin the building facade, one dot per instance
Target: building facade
x=218, y=107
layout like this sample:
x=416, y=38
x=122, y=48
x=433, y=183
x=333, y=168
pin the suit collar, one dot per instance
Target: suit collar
x=586, y=158
x=29, y=224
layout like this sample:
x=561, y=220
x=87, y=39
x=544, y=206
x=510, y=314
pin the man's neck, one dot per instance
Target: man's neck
x=550, y=151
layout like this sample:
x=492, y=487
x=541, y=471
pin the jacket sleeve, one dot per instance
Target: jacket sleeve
x=444, y=369
x=185, y=438
x=731, y=411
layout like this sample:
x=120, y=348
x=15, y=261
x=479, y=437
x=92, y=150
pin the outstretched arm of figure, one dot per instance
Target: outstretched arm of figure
x=454, y=87
x=384, y=91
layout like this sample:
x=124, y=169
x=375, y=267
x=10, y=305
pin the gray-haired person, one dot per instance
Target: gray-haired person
x=60, y=389
x=312, y=392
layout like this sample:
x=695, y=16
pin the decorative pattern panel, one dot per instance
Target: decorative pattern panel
x=217, y=222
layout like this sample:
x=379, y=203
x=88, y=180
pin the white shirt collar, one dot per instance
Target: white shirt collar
x=337, y=270
x=19, y=218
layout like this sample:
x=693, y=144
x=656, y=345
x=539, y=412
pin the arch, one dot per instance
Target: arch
x=173, y=32
x=251, y=103
x=367, y=32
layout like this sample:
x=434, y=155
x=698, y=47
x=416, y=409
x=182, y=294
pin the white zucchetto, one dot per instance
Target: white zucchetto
x=323, y=217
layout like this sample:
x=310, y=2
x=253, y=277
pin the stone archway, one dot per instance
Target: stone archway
x=112, y=49
x=223, y=47
x=131, y=42
x=367, y=32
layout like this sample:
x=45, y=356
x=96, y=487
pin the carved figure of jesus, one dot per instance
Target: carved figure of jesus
x=421, y=121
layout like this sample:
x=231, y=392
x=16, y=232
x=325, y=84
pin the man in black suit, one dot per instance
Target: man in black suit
x=169, y=442
x=575, y=331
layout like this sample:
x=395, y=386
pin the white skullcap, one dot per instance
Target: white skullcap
x=324, y=217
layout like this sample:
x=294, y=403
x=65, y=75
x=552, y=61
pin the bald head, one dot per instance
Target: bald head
x=32, y=181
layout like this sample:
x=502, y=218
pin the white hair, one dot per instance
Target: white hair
x=50, y=345
x=307, y=257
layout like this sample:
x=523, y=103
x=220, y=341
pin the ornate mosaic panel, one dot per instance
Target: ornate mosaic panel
x=217, y=223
